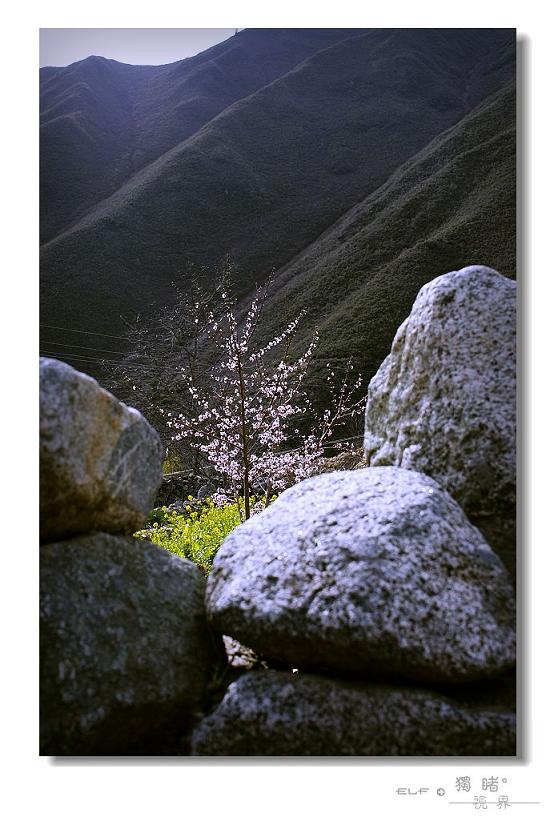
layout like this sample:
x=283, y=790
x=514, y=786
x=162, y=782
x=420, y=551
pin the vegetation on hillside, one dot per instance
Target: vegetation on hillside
x=238, y=407
x=197, y=534
x=272, y=172
x=102, y=121
x=452, y=205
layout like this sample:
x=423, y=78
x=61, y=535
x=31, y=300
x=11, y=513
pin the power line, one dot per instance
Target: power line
x=153, y=368
x=148, y=368
x=317, y=361
x=84, y=359
x=90, y=348
x=128, y=340
x=83, y=331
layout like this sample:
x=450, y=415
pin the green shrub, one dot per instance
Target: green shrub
x=195, y=535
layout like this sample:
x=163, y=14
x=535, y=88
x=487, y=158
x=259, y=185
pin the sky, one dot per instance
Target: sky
x=137, y=46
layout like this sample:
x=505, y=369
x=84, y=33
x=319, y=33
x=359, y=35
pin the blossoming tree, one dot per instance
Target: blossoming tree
x=244, y=412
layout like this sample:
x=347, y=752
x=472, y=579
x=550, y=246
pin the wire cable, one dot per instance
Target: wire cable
x=83, y=331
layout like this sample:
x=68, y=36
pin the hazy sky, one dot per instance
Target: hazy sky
x=138, y=46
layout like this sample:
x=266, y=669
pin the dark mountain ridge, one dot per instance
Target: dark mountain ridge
x=102, y=121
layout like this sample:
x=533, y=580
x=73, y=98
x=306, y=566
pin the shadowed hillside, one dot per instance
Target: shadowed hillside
x=102, y=121
x=269, y=174
x=452, y=205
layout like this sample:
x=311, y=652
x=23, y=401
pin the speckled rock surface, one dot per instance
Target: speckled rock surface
x=125, y=649
x=376, y=572
x=100, y=461
x=444, y=400
x=277, y=713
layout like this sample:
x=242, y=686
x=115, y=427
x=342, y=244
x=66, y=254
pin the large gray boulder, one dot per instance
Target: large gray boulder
x=278, y=713
x=376, y=572
x=444, y=400
x=100, y=461
x=126, y=654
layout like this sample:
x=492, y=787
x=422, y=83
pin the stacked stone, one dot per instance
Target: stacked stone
x=394, y=614
x=444, y=400
x=126, y=654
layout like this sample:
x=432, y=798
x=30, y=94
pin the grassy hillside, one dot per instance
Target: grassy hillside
x=102, y=121
x=86, y=132
x=452, y=205
x=271, y=172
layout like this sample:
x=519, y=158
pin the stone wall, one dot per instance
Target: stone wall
x=370, y=610
x=127, y=658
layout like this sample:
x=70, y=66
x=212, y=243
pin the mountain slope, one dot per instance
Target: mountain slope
x=270, y=173
x=102, y=121
x=452, y=205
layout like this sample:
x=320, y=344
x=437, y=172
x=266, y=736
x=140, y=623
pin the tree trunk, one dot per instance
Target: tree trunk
x=244, y=435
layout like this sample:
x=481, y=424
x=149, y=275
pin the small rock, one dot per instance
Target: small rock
x=100, y=461
x=345, y=461
x=177, y=487
x=375, y=572
x=444, y=400
x=126, y=653
x=239, y=656
x=277, y=713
